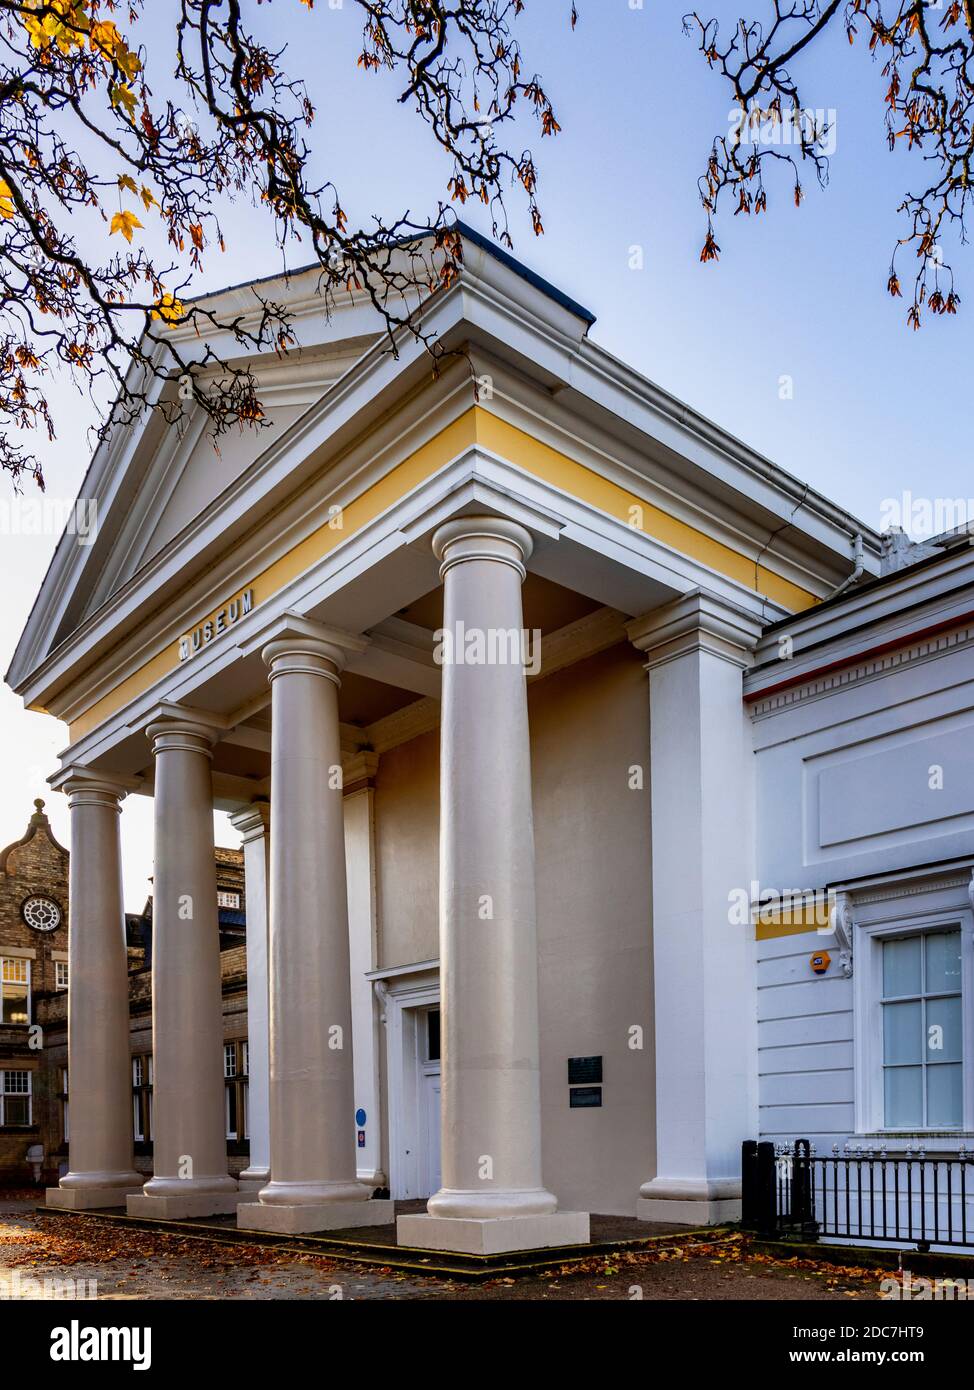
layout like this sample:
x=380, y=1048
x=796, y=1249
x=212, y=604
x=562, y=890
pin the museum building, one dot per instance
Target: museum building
x=514, y=677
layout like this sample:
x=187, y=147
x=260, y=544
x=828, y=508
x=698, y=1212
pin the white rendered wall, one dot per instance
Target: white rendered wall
x=843, y=778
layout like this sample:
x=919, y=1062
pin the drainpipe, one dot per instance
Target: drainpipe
x=856, y=573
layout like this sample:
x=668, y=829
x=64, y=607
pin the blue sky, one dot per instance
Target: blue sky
x=876, y=409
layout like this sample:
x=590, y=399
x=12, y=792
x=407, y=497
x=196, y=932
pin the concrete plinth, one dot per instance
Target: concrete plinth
x=252, y=1184
x=88, y=1198
x=495, y=1235
x=313, y=1216
x=179, y=1208
x=688, y=1211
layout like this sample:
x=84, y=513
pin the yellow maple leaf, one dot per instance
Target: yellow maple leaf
x=148, y=197
x=170, y=310
x=127, y=181
x=7, y=208
x=124, y=222
x=104, y=37
x=122, y=95
x=127, y=60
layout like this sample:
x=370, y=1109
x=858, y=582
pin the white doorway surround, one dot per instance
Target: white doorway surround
x=411, y=998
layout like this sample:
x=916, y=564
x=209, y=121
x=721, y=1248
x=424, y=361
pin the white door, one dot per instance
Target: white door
x=431, y=1137
x=414, y=1062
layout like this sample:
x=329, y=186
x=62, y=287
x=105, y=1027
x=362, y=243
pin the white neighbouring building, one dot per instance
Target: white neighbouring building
x=500, y=965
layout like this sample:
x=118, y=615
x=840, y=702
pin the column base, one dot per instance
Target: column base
x=313, y=1216
x=690, y=1201
x=687, y=1213
x=255, y=1170
x=88, y=1198
x=179, y=1208
x=493, y=1235
x=253, y=1179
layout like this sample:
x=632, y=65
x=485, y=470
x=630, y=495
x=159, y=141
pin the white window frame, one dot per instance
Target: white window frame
x=141, y=1061
x=29, y=1093
x=890, y=911
x=60, y=974
x=226, y=898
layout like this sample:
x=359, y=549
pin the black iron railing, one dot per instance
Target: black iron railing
x=911, y=1198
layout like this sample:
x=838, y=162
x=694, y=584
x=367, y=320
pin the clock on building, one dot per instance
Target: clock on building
x=41, y=912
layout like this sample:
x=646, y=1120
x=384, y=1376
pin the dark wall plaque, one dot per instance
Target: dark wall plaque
x=584, y=1071
x=585, y=1097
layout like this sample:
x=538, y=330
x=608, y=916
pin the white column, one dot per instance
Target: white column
x=253, y=823
x=493, y=1196
x=101, y=1169
x=313, y=1183
x=701, y=781
x=190, y=1175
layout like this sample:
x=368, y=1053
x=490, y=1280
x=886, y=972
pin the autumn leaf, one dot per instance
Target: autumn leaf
x=126, y=181
x=123, y=96
x=170, y=310
x=148, y=198
x=7, y=208
x=127, y=60
x=711, y=251
x=104, y=37
x=124, y=222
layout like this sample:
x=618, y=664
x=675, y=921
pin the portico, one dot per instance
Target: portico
x=538, y=843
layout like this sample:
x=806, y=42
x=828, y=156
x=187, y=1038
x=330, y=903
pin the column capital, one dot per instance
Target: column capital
x=253, y=821
x=482, y=538
x=183, y=735
x=293, y=643
x=171, y=726
x=698, y=621
x=86, y=786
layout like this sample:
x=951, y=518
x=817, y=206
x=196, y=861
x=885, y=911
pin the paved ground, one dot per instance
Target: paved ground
x=37, y=1250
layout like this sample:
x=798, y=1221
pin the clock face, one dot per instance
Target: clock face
x=41, y=913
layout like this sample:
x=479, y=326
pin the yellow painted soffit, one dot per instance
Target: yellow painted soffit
x=475, y=426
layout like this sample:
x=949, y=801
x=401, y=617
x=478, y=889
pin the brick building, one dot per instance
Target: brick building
x=34, y=1112
x=33, y=975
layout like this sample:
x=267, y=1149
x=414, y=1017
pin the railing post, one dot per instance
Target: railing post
x=767, y=1194
x=749, y=1181
x=802, y=1210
